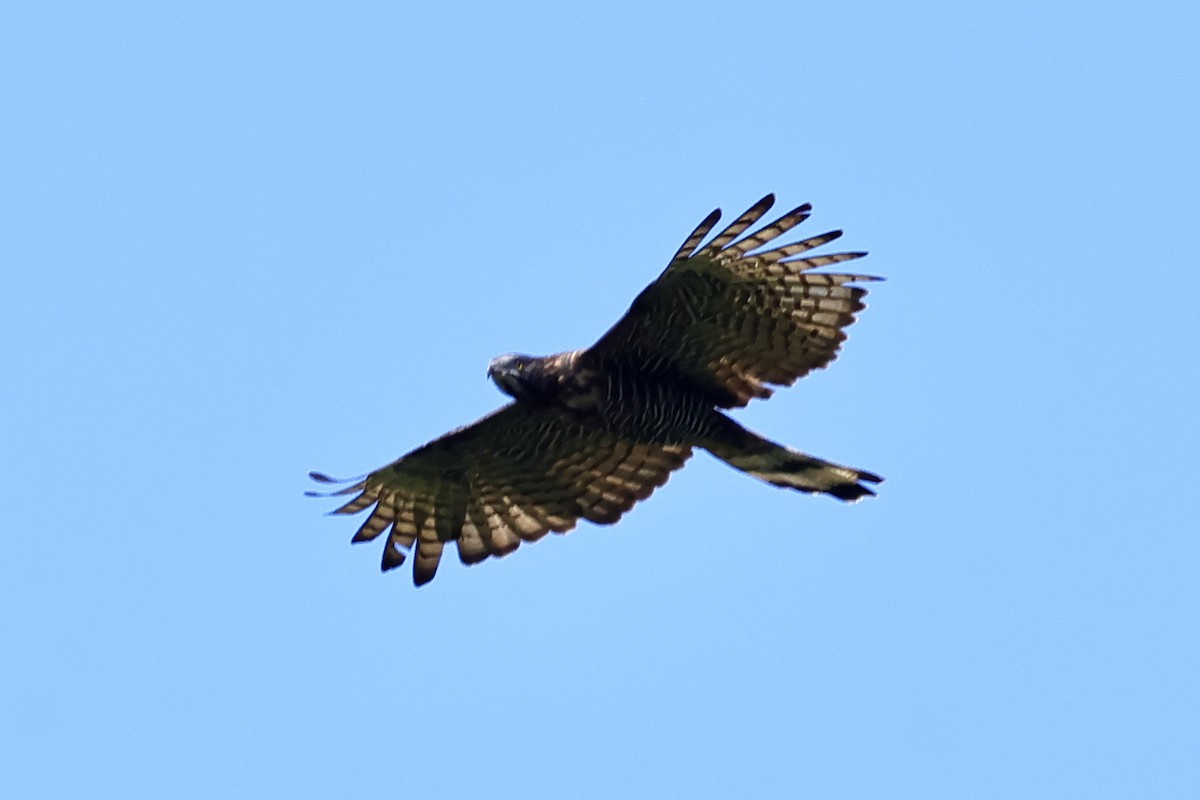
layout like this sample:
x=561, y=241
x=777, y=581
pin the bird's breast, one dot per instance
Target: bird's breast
x=583, y=393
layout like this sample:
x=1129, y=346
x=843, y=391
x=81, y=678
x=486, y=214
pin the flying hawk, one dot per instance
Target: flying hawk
x=591, y=432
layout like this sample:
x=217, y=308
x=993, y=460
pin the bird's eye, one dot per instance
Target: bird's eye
x=520, y=367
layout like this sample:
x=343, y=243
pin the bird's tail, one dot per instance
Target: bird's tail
x=782, y=466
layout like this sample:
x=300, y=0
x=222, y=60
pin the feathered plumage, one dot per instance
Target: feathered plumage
x=591, y=432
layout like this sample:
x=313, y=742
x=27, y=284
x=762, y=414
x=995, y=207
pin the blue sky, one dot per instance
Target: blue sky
x=243, y=242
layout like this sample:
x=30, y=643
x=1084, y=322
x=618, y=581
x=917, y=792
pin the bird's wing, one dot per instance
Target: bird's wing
x=513, y=476
x=731, y=317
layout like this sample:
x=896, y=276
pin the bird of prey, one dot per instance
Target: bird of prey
x=591, y=432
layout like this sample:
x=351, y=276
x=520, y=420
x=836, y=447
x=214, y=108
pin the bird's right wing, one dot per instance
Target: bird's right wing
x=731, y=318
x=513, y=476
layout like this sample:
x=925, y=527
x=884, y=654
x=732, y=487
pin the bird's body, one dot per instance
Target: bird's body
x=590, y=432
x=639, y=404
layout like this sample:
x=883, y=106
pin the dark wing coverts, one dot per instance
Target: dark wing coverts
x=730, y=320
x=513, y=476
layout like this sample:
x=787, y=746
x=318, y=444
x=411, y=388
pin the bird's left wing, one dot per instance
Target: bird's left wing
x=731, y=317
x=513, y=476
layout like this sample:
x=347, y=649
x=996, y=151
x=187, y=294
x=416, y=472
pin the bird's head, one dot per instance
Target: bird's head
x=521, y=377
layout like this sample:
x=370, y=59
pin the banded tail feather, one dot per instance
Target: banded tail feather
x=784, y=467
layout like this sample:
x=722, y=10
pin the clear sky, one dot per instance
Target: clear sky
x=243, y=241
